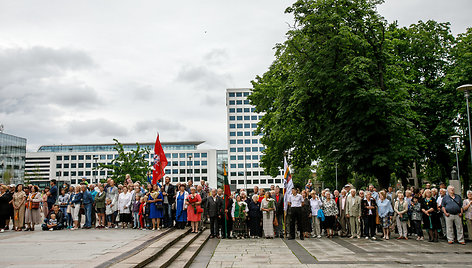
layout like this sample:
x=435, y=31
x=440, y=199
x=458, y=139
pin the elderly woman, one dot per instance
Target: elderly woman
x=181, y=207
x=124, y=204
x=5, y=199
x=401, y=214
x=33, y=214
x=194, y=209
x=385, y=214
x=156, y=210
x=254, y=218
x=315, y=205
x=330, y=210
x=239, y=213
x=369, y=213
x=416, y=216
x=75, y=202
x=468, y=212
x=268, y=209
x=100, y=206
x=430, y=215
x=19, y=201
x=306, y=214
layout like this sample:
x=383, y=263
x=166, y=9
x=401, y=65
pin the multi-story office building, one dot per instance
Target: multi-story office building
x=12, y=158
x=70, y=163
x=244, y=147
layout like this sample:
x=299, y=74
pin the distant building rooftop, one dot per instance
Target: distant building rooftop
x=182, y=145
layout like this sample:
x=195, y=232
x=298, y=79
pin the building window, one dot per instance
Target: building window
x=231, y=94
x=233, y=181
x=233, y=166
x=240, y=141
x=246, y=101
x=232, y=118
x=175, y=171
x=239, y=94
x=233, y=174
x=255, y=149
x=255, y=181
x=80, y=173
x=182, y=163
x=240, y=165
x=254, y=141
x=196, y=171
x=278, y=181
x=196, y=163
x=58, y=165
x=204, y=155
x=73, y=165
x=247, y=125
x=88, y=157
x=248, y=157
x=232, y=126
x=232, y=141
x=73, y=157
x=204, y=171
x=240, y=157
x=66, y=173
x=247, y=141
x=66, y=165
x=239, y=102
x=103, y=157
x=182, y=155
x=59, y=158
x=240, y=125
x=66, y=158
x=182, y=171
x=87, y=173
x=240, y=181
x=232, y=157
x=255, y=165
x=175, y=179
x=58, y=173
x=254, y=117
x=240, y=133
x=204, y=163
x=88, y=165
x=81, y=157
x=253, y=110
x=255, y=157
x=239, y=110
x=175, y=155
x=246, y=110
x=263, y=181
x=232, y=150
x=254, y=125
x=255, y=173
x=231, y=110
x=231, y=102
x=239, y=117
x=196, y=155
x=81, y=165
x=246, y=117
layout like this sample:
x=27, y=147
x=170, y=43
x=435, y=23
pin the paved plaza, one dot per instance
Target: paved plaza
x=339, y=252
x=102, y=248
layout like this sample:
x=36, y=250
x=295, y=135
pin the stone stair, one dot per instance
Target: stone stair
x=175, y=249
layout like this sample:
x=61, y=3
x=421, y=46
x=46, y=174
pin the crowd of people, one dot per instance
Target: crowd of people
x=263, y=213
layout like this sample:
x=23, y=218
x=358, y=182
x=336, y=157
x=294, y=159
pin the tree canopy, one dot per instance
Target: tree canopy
x=348, y=87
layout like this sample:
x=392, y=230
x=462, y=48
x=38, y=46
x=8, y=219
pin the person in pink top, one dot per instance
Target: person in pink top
x=194, y=210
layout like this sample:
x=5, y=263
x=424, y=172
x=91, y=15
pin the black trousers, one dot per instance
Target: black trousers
x=370, y=225
x=418, y=230
x=296, y=217
x=214, y=224
x=168, y=222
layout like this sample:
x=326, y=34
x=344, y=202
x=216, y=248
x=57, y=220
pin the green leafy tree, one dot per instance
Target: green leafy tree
x=301, y=176
x=132, y=162
x=333, y=86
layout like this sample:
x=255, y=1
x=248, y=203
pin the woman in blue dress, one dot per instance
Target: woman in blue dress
x=180, y=207
x=156, y=212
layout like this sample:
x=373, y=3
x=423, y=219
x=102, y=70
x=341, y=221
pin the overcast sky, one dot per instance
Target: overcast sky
x=90, y=71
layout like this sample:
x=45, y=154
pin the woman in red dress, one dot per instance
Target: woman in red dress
x=194, y=210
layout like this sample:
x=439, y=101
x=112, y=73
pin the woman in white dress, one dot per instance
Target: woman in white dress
x=124, y=203
x=268, y=208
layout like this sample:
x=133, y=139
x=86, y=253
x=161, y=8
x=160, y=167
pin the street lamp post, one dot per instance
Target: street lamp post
x=335, y=151
x=245, y=171
x=456, y=144
x=466, y=89
x=193, y=169
x=95, y=159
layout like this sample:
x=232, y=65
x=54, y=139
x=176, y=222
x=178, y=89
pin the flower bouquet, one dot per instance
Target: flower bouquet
x=270, y=205
x=242, y=210
x=192, y=200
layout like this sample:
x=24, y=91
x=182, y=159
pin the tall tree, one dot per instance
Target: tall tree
x=332, y=86
x=128, y=162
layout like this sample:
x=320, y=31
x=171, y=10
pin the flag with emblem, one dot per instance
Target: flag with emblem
x=288, y=183
x=159, y=162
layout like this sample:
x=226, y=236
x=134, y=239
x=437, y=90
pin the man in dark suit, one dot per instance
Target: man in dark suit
x=203, y=196
x=279, y=212
x=342, y=214
x=169, y=199
x=214, y=210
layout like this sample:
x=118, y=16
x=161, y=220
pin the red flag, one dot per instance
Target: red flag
x=227, y=190
x=160, y=161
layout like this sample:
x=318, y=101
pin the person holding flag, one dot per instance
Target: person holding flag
x=288, y=186
x=228, y=204
x=159, y=163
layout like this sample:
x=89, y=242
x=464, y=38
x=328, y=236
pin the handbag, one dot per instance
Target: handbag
x=69, y=209
x=159, y=206
x=199, y=210
x=34, y=205
x=320, y=214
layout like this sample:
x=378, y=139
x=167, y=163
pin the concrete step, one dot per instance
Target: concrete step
x=153, y=251
x=186, y=258
x=171, y=254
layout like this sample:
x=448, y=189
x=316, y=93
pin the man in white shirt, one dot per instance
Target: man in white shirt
x=295, y=201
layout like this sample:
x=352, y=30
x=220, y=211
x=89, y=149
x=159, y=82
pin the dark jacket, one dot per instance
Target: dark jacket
x=279, y=206
x=53, y=195
x=170, y=193
x=100, y=200
x=214, y=209
x=364, y=204
x=59, y=216
x=254, y=210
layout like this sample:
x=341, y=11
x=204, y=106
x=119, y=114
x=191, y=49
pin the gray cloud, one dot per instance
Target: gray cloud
x=216, y=56
x=203, y=78
x=158, y=125
x=100, y=126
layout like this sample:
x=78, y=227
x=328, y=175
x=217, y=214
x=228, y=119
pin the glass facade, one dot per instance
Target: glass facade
x=111, y=147
x=12, y=158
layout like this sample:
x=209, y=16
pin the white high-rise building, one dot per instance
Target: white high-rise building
x=244, y=147
x=71, y=163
